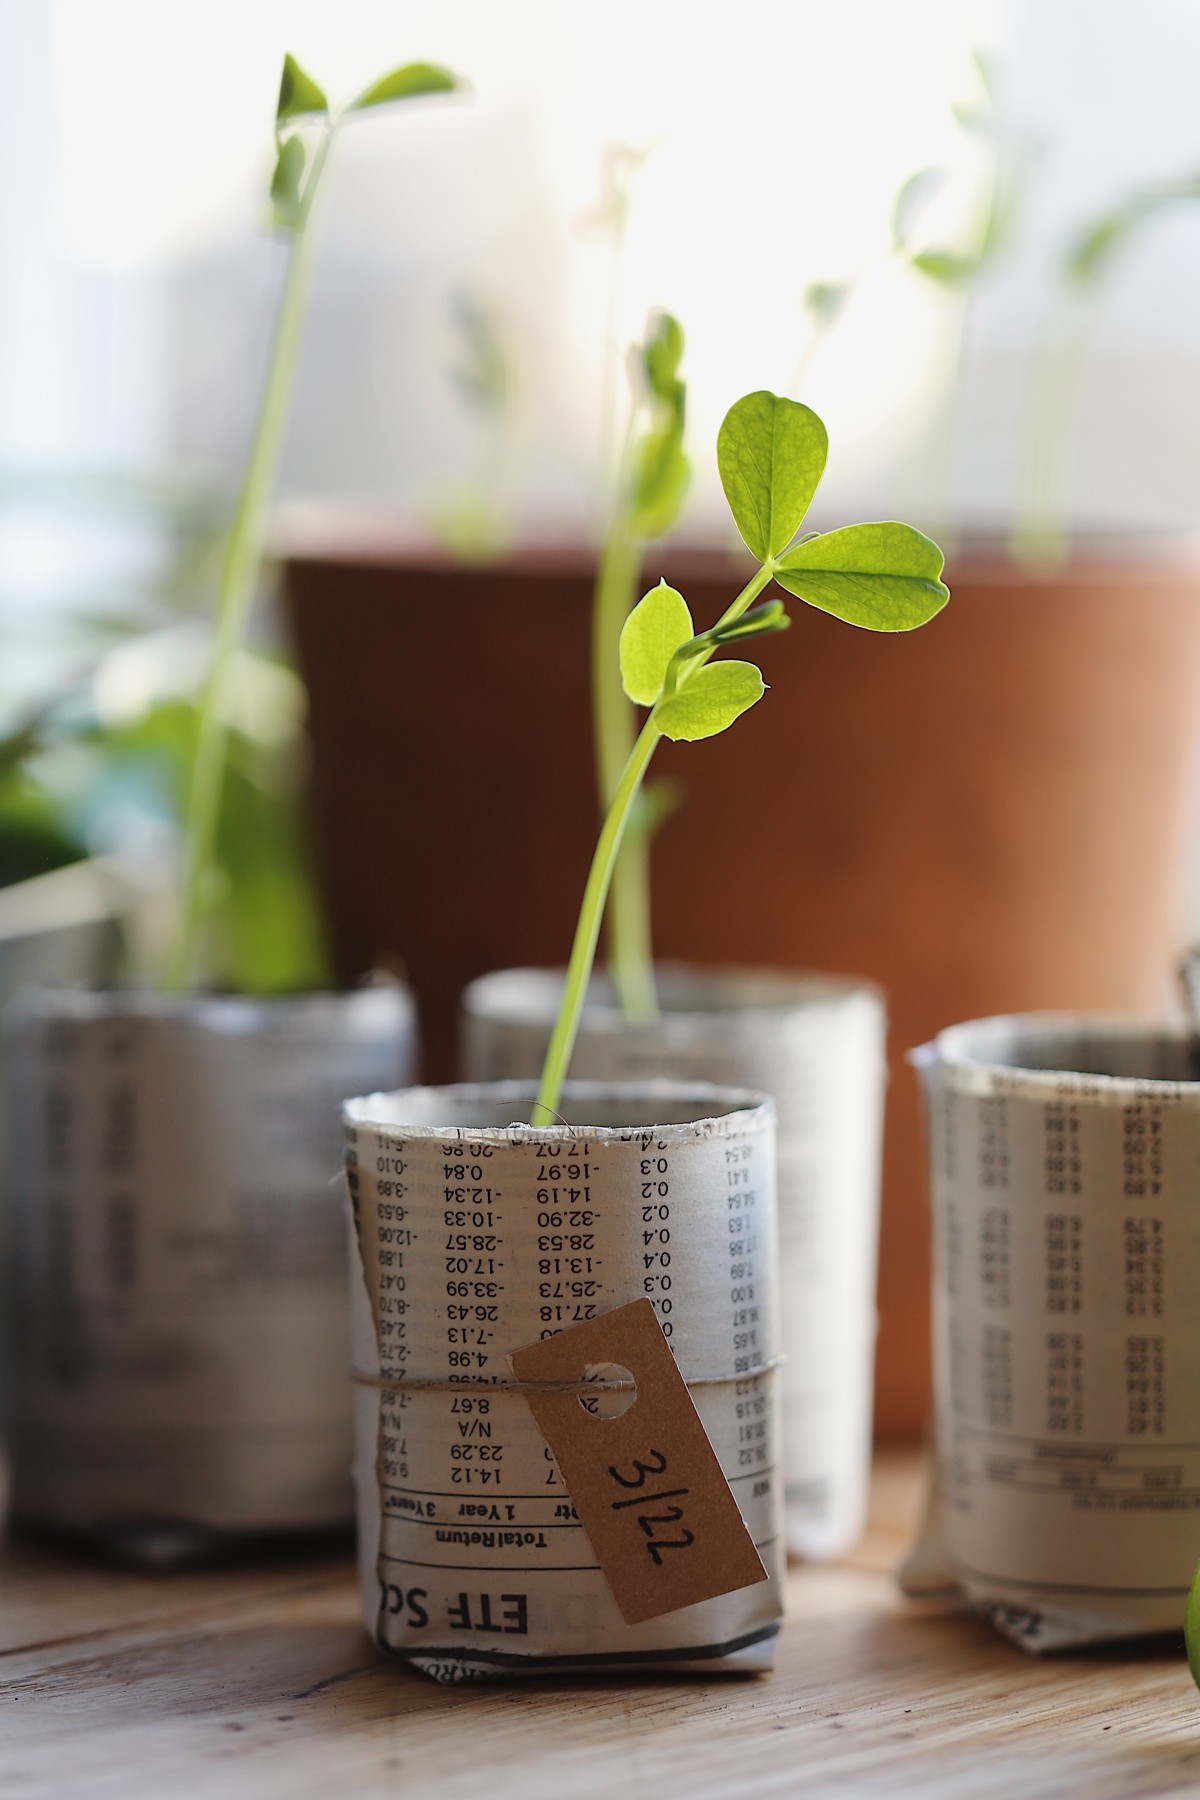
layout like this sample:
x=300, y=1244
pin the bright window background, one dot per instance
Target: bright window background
x=138, y=284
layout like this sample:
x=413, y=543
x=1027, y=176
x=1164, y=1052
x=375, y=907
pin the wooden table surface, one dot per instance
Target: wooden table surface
x=259, y=1680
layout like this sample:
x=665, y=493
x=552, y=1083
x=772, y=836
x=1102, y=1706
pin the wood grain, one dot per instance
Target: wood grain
x=259, y=1681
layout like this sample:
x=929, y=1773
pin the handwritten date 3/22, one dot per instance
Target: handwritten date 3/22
x=650, y=1522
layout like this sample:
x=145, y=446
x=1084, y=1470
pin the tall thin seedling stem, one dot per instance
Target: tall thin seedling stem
x=235, y=596
x=599, y=881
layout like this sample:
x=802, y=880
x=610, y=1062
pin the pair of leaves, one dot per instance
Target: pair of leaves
x=710, y=699
x=771, y=455
x=300, y=96
x=884, y=577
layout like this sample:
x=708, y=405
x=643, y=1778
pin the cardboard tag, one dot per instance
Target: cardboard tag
x=649, y=1491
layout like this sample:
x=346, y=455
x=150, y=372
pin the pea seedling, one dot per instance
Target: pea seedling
x=883, y=577
x=306, y=127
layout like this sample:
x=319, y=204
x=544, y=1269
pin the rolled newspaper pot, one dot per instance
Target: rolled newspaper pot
x=817, y=1046
x=59, y=928
x=477, y=1236
x=1066, y=1501
x=182, y=1329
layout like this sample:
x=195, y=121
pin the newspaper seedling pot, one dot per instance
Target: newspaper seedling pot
x=817, y=1046
x=181, y=1327
x=64, y=927
x=474, y=1237
x=58, y=928
x=1067, y=1361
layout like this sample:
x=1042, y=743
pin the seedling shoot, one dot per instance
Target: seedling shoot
x=771, y=455
x=306, y=127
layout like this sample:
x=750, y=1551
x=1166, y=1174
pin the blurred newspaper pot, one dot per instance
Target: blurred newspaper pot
x=1067, y=1359
x=817, y=1046
x=63, y=926
x=181, y=1311
x=473, y=1237
x=60, y=928
x=943, y=802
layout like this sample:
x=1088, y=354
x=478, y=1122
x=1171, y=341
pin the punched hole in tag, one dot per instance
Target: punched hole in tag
x=645, y=1480
x=612, y=1405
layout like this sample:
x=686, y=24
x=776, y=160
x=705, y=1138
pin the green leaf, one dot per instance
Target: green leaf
x=1191, y=1628
x=286, y=196
x=1109, y=235
x=713, y=698
x=916, y=195
x=1097, y=247
x=882, y=577
x=299, y=94
x=946, y=266
x=824, y=300
x=651, y=635
x=405, y=84
x=662, y=354
x=771, y=455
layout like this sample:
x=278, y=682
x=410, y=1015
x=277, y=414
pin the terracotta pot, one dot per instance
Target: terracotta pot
x=987, y=815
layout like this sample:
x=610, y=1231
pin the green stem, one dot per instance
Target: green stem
x=587, y=931
x=747, y=597
x=1040, y=537
x=630, y=934
x=239, y=576
x=616, y=728
x=600, y=876
x=630, y=953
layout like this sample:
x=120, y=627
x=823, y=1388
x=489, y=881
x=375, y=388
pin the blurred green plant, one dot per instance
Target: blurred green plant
x=652, y=481
x=1093, y=257
x=824, y=303
x=473, y=517
x=644, y=478
x=51, y=649
x=306, y=128
x=985, y=233
x=113, y=733
x=958, y=265
x=80, y=775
